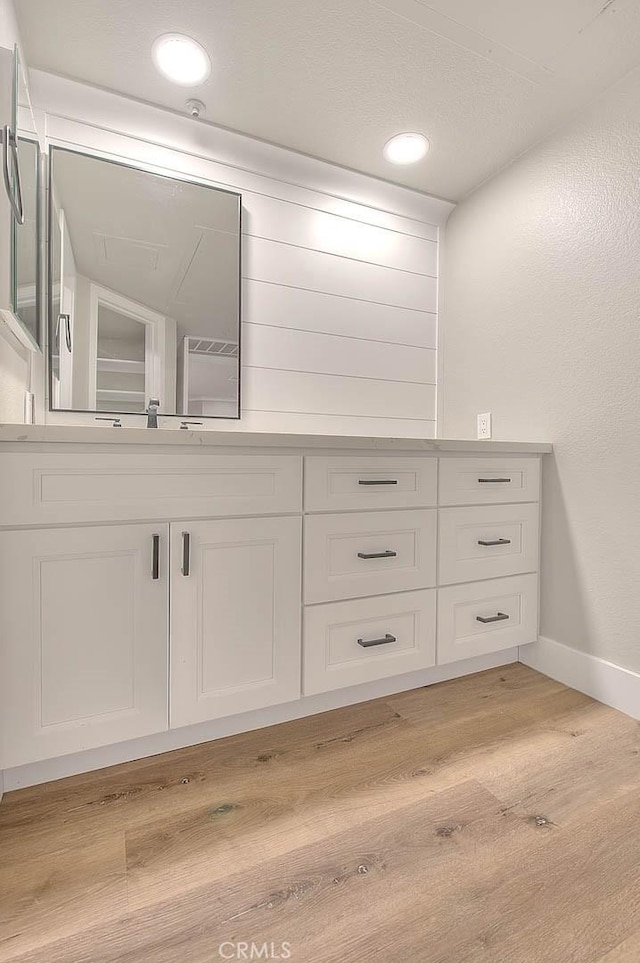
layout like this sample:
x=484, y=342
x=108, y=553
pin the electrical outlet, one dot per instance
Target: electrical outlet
x=484, y=425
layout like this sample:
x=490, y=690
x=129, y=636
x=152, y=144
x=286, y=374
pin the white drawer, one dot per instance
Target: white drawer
x=485, y=617
x=346, y=643
x=487, y=541
x=333, y=484
x=85, y=487
x=482, y=481
x=373, y=553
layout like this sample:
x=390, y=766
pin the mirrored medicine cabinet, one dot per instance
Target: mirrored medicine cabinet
x=20, y=280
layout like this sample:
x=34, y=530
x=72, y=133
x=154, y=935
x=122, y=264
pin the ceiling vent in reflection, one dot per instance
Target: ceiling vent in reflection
x=227, y=349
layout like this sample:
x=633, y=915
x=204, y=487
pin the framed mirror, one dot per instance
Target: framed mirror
x=144, y=291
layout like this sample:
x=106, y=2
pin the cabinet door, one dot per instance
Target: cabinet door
x=235, y=616
x=83, y=638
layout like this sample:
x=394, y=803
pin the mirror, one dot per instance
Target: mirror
x=144, y=291
x=25, y=236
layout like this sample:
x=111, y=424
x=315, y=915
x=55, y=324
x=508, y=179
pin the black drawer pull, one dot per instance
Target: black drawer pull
x=377, y=481
x=369, y=642
x=496, y=541
x=494, y=481
x=387, y=554
x=500, y=617
x=155, y=558
x=186, y=554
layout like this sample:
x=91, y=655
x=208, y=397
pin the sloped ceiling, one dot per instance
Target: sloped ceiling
x=335, y=79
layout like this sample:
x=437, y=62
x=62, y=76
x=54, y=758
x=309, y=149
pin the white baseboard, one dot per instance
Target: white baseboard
x=50, y=769
x=604, y=681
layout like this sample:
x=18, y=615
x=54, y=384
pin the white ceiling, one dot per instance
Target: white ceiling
x=336, y=78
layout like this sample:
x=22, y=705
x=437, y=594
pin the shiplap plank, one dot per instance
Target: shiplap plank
x=294, y=422
x=286, y=307
x=282, y=348
x=277, y=220
x=266, y=389
x=317, y=271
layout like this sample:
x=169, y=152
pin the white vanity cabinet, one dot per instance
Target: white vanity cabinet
x=83, y=644
x=202, y=588
x=85, y=635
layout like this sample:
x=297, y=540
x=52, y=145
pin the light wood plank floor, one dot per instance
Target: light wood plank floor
x=493, y=819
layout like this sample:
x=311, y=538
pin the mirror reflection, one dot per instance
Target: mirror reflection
x=143, y=291
x=25, y=241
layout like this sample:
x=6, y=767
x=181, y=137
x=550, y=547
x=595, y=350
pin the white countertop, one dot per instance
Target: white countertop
x=107, y=435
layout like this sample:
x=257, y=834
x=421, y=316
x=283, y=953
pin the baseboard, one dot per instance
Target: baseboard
x=602, y=680
x=51, y=769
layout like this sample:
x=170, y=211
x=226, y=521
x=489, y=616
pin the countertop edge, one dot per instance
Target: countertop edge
x=90, y=435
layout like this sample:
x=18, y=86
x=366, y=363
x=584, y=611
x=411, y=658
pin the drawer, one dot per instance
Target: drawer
x=84, y=487
x=373, y=553
x=483, y=481
x=485, y=617
x=346, y=643
x=487, y=542
x=333, y=484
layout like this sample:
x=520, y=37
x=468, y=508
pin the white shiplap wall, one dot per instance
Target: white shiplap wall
x=339, y=270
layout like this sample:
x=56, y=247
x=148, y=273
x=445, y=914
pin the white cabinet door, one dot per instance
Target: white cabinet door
x=235, y=616
x=83, y=638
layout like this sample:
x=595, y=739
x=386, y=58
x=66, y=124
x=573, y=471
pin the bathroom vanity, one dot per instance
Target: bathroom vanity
x=164, y=587
x=171, y=586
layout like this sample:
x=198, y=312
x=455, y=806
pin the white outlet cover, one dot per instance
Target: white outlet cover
x=484, y=425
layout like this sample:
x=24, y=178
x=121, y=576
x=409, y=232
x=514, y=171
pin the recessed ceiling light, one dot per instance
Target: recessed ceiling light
x=406, y=148
x=181, y=59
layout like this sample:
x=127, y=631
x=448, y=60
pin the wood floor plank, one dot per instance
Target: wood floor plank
x=626, y=952
x=491, y=819
x=50, y=897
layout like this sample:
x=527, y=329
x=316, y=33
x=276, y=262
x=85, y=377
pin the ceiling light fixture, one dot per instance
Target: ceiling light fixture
x=181, y=59
x=406, y=148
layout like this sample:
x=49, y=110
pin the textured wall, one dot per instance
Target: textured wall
x=14, y=374
x=542, y=327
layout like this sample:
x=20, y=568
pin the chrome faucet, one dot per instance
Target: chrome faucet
x=152, y=413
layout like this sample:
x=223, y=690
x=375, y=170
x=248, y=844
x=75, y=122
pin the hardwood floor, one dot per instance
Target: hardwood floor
x=492, y=819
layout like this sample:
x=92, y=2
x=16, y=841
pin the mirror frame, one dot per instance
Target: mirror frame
x=171, y=176
x=36, y=343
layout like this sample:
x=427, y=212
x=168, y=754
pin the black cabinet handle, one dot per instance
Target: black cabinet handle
x=387, y=554
x=369, y=642
x=377, y=481
x=155, y=557
x=10, y=156
x=186, y=553
x=494, y=481
x=496, y=541
x=500, y=617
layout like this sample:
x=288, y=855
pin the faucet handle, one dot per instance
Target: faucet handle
x=116, y=423
x=154, y=402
